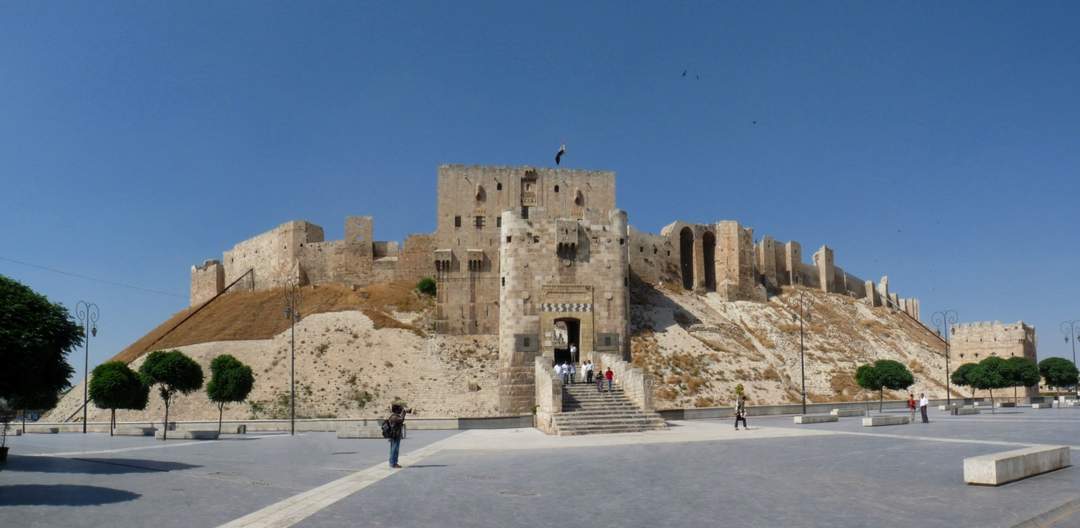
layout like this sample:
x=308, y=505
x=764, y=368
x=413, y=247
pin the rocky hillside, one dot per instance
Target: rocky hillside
x=359, y=350
x=698, y=348
x=356, y=353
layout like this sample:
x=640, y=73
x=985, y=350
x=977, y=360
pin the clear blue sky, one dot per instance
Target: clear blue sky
x=935, y=142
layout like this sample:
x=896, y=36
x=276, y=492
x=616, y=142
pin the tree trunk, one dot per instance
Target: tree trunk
x=1014, y=396
x=165, y=426
x=993, y=410
x=24, y=422
x=881, y=400
x=220, y=410
x=112, y=422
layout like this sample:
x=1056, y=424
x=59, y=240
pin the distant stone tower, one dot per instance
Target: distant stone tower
x=974, y=342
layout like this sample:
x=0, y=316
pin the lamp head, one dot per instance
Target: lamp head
x=93, y=331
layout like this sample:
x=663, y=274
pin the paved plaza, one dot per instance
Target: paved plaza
x=696, y=473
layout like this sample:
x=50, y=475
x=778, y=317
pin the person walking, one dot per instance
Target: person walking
x=558, y=370
x=588, y=371
x=610, y=376
x=573, y=372
x=565, y=369
x=396, y=424
x=740, y=412
x=923, y=403
x=599, y=382
x=911, y=407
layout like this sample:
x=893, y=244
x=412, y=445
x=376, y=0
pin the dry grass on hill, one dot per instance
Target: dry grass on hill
x=243, y=315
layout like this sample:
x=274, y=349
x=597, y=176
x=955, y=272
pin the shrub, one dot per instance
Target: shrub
x=427, y=286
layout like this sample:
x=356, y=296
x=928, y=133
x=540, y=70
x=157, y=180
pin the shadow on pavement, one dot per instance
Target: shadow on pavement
x=61, y=495
x=93, y=466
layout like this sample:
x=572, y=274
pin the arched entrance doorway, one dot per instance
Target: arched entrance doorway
x=686, y=257
x=708, y=243
x=567, y=332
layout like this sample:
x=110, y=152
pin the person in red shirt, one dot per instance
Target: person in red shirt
x=610, y=376
x=911, y=407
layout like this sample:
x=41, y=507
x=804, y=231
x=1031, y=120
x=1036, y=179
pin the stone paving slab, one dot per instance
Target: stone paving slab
x=176, y=483
x=695, y=473
x=843, y=481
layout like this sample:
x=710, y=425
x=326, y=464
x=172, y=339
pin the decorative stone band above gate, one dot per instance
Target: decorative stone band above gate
x=566, y=307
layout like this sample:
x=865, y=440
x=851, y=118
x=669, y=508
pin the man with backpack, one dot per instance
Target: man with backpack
x=393, y=429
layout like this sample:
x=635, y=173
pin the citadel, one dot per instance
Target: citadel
x=543, y=259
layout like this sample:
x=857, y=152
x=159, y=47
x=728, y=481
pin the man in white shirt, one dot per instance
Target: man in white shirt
x=923, y=403
x=573, y=353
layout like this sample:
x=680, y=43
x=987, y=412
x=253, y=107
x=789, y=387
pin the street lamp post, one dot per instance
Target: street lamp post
x=943, y=320
x=1071, y=329
x=293, y=297
x=804, y=313
x=87, y=313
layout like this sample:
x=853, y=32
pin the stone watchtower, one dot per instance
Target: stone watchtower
x=974, y=342
x=564, y=280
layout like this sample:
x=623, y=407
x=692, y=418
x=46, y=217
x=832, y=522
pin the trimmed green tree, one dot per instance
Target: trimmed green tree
x=172, y=372
x=961, y=377
x=230, y=381
x=992, y=373
x=1058, y=372
x=113, y=385
x=35, y=339
x=884, y=374
x=1021, y=372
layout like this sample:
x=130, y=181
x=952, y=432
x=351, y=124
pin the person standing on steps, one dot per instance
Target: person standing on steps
x=396, y=423
x=573, y=371
x=911, y=407
x=564, y=369
x=588, y=371
x=600, y=382
x=573, y=353
x=610, y=376
x=740, y=412
x=923, y=403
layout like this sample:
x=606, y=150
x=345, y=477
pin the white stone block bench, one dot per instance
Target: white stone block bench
x=131, y=430
x=884, y=419
x=962, y=411
x=1006, y=404
x=360, y=431
x=845, y=413
x=816, y=418
x=1041, y=406
x=190, y=435
x=44, y=430
x=999, y=468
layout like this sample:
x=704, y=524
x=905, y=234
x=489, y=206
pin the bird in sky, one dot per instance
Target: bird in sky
x=684, y=73
x=559, y=154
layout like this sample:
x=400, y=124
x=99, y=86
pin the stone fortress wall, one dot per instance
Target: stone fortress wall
x=723, y=258
x=976, y=341
x=296, y=251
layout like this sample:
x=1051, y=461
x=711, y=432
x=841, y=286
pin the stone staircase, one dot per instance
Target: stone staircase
x=586, y=411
